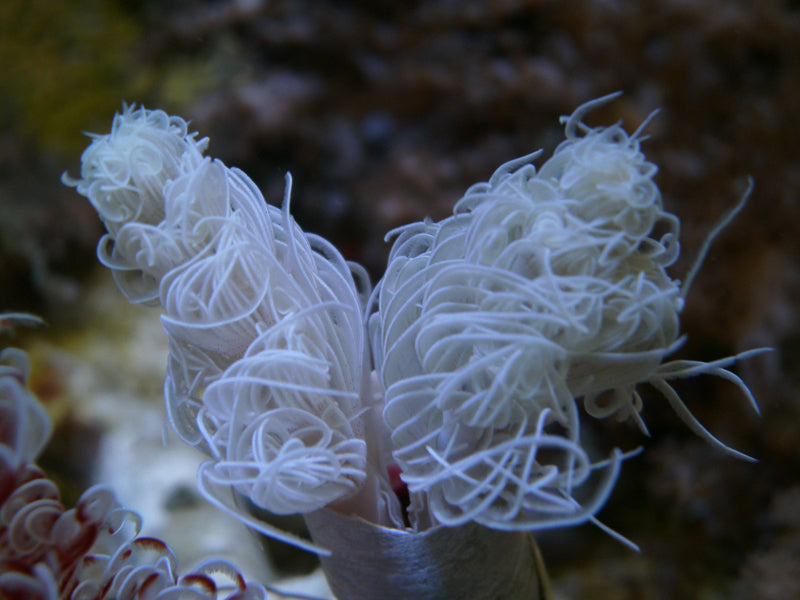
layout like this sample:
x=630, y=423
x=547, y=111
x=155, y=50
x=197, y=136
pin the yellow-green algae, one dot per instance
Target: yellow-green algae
x=65, y=65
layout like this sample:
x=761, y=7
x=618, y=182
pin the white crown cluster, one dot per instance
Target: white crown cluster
x=546, y=290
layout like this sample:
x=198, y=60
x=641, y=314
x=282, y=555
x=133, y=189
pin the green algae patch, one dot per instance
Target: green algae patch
x=64, y=65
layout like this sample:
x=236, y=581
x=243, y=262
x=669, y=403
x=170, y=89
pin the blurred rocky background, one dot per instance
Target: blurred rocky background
x=385, y=112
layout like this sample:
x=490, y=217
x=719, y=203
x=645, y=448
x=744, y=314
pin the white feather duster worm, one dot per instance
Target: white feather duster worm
x=267, y=340
x=543, y=297
x=543, y=288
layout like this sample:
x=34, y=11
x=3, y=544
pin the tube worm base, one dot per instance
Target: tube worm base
x=370, y=562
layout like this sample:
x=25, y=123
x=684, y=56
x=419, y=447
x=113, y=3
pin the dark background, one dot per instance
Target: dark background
x=385, y=113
